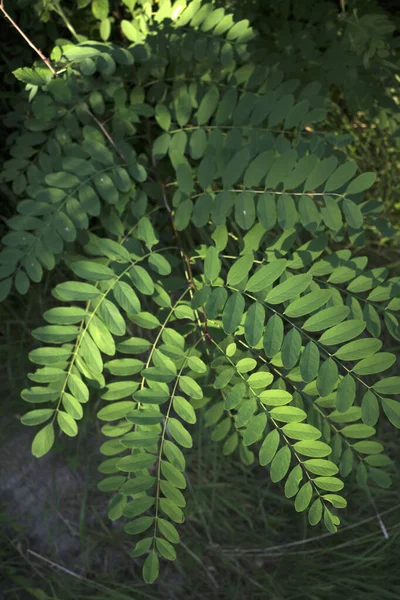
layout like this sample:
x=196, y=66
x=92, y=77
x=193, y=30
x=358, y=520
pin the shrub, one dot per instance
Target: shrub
x=213, y=239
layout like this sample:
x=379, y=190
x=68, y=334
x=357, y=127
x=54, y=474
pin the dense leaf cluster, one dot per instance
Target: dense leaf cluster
x=213, y=239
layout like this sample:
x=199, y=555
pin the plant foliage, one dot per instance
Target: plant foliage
x=213, y=243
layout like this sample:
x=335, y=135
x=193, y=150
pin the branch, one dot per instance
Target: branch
x=28, y=41
x=108, y=136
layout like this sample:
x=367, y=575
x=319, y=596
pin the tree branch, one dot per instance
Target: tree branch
x=28, y=41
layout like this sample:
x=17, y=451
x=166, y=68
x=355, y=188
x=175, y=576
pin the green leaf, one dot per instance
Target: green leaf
x=390, y=385
x=47, y=375
x=269, y=447
x=145, y=320
x=336, y=500
x=240, y=269
x=308, y=303
x=266, y=211
x=328, y=377
x=301, y=431
x=212, y=264
x=184, y=409
x=138, y=506
x=133, y=345
x=72, y=406
x=233, y=312
x=330, y=484
x=184, y=177
x=343, y=332
x=358, y=431
x=208, y=105
x=179, y=433
x=73, y=291
x=331, y=214
x=139, y=439
x=375, y=364
x=190, y=387
x=312, y=448
x=369, y=408
x=216, y=302
x=361, y=183
x=43, y=441
x=168, y=530
x=37, y=417
x=224, y=378
x=275, y=397
x=359, y=349
x=159, y=374
x=235, y=396
x=126, y=297
x=321, y=467
x=124, y=366
x=65, y=315
x=255, y=429
x=291, y=348
x=273, y=336
x=346, y=393
x=142, y=280
x=254, y=324
x=132, y=34
x=136, y=462
x=288, y=414
x=303, y=497
x=163, y=116
x=62, y=180
x=159, y=264
x=49, y=356
x=171, y=510
x=116, y=411
x=342, y=174
x=235, y=167
x=326, y=318
x=67, y=423
x=36, y=76
x=310, y=216
x=151, y=568
x=352, y=214
x=244, y=365
x=101, y=336
x=266, y=275
x=381, y=478
x=260, y=380
x=139, y=525
x=320, y=173
x=289, y=289
x=111, y=484
x=350, y=415
x=37, y=394
x=315, y=512
x=153, y=396
x=196, y=364
x=309, y=362
x=292, y=482
x=142, y=546
x=111, y=317
x=165, y=549
x=280, y=464
x=368, y=447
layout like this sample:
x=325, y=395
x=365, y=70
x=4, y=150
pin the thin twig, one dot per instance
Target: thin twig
x=28, y=41
x=108, y=136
